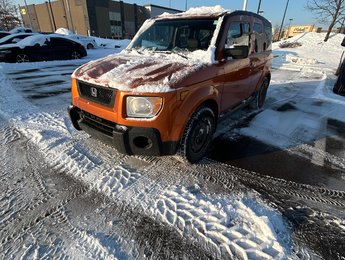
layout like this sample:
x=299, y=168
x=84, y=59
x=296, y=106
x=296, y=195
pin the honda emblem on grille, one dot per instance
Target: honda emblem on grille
x=94, y=92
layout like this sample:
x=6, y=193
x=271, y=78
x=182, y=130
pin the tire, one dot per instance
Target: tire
x=260, y=96
x=22, y=57
x=339, y=85
x=198, y=135
x=75, y=55
x=89, y=46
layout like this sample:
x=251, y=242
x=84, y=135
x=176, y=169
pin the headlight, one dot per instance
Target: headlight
x=143, y=107
x=5, y=52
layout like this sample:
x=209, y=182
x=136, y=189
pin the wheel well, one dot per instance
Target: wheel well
x=268, y=76
x=213, y=105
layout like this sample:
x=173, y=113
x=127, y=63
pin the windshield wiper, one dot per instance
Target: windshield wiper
x=134, y=49
x=179, y=53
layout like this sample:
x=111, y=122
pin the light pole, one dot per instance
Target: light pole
x=258, y=12
x=70, y=15
x=288, y=34
x=185, y=8
x=281, y=26
x=244, y=5
x=28, y=13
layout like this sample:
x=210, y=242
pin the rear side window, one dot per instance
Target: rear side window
x=259, y=44
x=268, y=37
x=257, y=28
x=59, y=42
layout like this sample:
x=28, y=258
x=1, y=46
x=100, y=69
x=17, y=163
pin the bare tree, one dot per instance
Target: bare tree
x=276, y=33
x=8, y=15
x=328, y=12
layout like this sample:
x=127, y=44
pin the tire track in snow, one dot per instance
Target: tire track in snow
x=211, y=227
x=271, y=184
x=78, y=159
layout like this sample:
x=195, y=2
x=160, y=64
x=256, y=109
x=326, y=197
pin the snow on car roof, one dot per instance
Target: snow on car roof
x=63, y=31
x=39, y=39
x=203, y=11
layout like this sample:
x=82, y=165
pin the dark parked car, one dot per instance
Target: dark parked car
x=339, y=86
x=41, y=47
x=3, y=34
x=14, y=38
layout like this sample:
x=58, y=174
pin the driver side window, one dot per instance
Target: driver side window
x=238, y=35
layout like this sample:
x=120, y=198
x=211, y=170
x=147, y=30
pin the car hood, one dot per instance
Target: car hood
x=157, y=72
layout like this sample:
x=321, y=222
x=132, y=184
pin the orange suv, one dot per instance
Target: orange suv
x=163, y=94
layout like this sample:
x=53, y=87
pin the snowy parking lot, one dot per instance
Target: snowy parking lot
x=273, y=186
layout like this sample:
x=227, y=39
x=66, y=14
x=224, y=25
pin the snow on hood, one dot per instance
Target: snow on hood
x=148, y=71
x=145, y=72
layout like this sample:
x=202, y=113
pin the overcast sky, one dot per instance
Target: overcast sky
x=273, y=10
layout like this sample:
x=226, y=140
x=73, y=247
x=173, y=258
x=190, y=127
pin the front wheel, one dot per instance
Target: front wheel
x=22, y=57
x=260, y=96
x=75, y=55
x=198, y=135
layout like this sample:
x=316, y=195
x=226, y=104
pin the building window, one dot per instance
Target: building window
x=115, y=24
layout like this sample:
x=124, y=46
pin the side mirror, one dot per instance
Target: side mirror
x=237, y=52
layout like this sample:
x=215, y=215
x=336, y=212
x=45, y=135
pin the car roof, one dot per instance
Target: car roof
x=208, y=13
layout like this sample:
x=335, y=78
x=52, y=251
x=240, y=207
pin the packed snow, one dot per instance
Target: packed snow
x=239, y=224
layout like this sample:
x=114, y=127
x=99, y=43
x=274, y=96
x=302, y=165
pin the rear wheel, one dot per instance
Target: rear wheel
x=260, y=96
x=75, y=55
x=339, y=85
x=89, y=46
x=22, y=57
x=198, y=135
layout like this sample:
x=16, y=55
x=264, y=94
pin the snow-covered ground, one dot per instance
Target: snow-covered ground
x=64, y=195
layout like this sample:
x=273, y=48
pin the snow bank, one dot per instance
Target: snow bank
x=300, y=61
x=313, y=50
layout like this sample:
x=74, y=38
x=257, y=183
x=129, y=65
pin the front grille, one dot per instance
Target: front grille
x=100, y=124
x=98, y=94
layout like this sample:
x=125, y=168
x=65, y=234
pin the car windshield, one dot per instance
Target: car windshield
x=6, y=38
x=176, y=35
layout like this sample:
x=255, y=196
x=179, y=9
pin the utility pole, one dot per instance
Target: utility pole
x=186, y=6
x=281, y=26
x=70, y=16
x=244, y=5
x=51, y=10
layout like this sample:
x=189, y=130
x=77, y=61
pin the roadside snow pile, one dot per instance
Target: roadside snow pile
x=290, y=44
x=327, y=54
x=111, y=43
x=299, y=60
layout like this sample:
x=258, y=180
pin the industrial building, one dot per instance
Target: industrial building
x=103, y=18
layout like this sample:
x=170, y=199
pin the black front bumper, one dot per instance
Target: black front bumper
x=127, y=140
